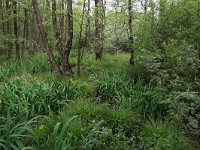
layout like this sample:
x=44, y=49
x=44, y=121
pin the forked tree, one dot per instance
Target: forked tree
x=64, y=51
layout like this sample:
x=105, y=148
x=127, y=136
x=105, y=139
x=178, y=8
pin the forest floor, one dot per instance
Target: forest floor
x=109, y=107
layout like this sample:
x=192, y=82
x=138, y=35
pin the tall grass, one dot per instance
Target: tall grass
x=37, y=64
x=158, y=135
x=31, y=97
x=117, y=88
x=106, y=108
x=16, y=135
x=89, y=126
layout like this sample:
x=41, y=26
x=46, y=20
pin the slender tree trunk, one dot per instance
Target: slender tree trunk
x=62, y=21
x=79, y=42
x=26, y=31
x=18, y=55
x=103, y=21
x=198, y=43
x=44, y=38
x=2, y=20
x=67, y=67
x=65, y=35
x=146, y=6
x=130, y=23
x=33, y=40
x=8, y=28
x=2, y=16
x=98, y=30
x=59, y=45
x=116, y=21
x=87, y=33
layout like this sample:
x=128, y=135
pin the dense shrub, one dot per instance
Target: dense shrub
x=185, y=111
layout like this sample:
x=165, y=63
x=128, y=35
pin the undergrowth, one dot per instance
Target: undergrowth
x=108, y=107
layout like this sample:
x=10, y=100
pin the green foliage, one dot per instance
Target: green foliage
x=170, y=45
x=87, y=125
x=110, y=86
x=118, y=89
x=108, y=106
x=161, y=136
x=185, y=112
x=37, y=64
x=16, y=135
x=29, y=97
x=88, y=111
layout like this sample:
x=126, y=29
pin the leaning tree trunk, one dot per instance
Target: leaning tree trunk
x=66, y=66
x=130, y=23
x=18, y=55
x=44, y=38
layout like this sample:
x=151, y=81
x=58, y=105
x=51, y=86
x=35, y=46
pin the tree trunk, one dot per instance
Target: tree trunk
x=130, y=23
x=98, y=29
x=79, y=42
x=44, y=38
x=55, y=28
x=67, y=67
x=2, y=17
x=116, y=21
x=18, y=55
x=2, y=20
x=33, y=40
x=146, y=6
x=62, y=21
x=9, y=43
x=103, y=21
x=26, y=31
x=87, y=33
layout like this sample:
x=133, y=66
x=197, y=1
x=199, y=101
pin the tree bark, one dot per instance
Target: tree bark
x=87, y=33
x=67, y=67
x=79, y=42
x=26, y=31
x=62, y=21
x=146, y=2
x=130, y=23
x=33, y=40
x=8, y=28
x=2, y=16
x=17, y=46
x=98, y=29
x=44, y=38
x=59, y=45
